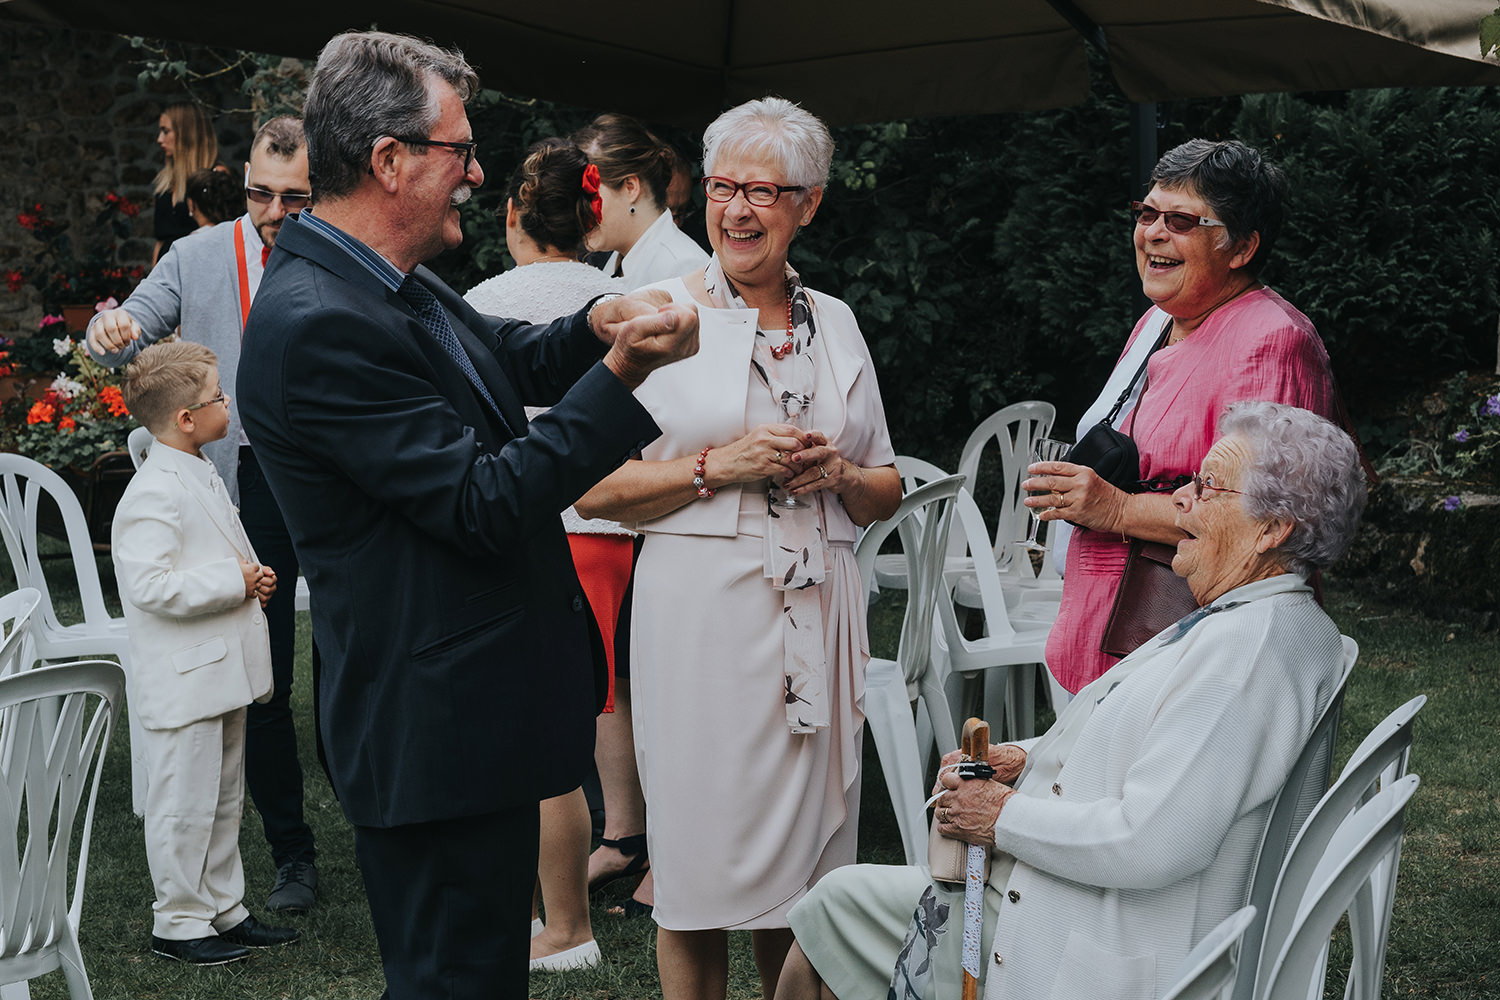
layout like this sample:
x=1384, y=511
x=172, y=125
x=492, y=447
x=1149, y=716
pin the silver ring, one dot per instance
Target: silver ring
x=947, y=816
x=778, y=456
x=823, y=471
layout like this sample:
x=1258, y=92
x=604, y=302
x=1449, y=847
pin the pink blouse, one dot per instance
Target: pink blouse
x=1256, y=347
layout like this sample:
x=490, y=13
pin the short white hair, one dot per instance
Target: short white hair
x=775, y=128
x=1303, y=470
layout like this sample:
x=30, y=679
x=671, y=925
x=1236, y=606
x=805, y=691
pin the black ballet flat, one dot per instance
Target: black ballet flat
x=632, y=847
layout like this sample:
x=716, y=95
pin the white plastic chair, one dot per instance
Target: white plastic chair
x=890, y=567
x=1380, y=759
x=17, y=651
x=139, y=445
x=1299, y=795
x=55, y=724
x=922, y=523
x=1208, y=971
x=1003, y=645
x=1010, y=431
x=23, y=486
x=1364, y=843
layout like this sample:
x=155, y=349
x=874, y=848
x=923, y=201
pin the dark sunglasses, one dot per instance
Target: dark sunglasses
x=1178, y=222
x=289, y=201
x=467, y=148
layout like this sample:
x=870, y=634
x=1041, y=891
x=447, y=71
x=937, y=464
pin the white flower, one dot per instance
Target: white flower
x=63, y=347
x=67, y=388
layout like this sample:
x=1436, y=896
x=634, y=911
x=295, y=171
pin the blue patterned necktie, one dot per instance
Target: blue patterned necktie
x=435, y=318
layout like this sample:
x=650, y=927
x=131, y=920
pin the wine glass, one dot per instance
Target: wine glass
x=796, y=409
x=1042, y=450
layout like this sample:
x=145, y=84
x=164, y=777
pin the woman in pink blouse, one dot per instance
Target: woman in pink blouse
x=1201, y=237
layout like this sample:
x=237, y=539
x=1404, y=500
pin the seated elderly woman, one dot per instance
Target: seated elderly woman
x=1130, y=829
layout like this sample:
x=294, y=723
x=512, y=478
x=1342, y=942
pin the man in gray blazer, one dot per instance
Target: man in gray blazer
x=206, y=283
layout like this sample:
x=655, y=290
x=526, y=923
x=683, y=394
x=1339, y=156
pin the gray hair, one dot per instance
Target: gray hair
x=1243, y=191
x=282, y=136
x=370, y=84
x=776, y=128
x=1305, y=471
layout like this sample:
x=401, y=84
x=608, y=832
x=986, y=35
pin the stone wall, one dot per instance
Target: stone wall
x=78, y=125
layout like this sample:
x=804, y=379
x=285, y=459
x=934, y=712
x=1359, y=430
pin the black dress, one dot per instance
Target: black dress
x=170, y=221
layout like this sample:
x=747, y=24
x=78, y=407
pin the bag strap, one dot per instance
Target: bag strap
x=1166, y=331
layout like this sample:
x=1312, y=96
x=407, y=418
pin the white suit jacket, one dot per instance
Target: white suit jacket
x=1136, y=824
x=662, y=252
x=198, y=646
x=196, y=284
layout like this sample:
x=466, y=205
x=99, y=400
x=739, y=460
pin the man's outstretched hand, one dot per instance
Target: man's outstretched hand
x=645, y=331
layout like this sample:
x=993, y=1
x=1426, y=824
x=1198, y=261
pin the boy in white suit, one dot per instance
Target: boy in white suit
x=193, y=593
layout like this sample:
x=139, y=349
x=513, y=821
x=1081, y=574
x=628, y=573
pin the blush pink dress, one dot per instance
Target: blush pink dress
x=1256, y=347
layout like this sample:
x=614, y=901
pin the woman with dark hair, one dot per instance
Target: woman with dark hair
x=185, y=134
x=214, y=196
x=1216, y=335
x=550, y=207
x=635, y=171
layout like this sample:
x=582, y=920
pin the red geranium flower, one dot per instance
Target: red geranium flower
x=41, y=412
x=111, y=397
x=66, y=424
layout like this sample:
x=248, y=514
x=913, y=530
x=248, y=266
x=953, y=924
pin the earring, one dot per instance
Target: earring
x=632, y=209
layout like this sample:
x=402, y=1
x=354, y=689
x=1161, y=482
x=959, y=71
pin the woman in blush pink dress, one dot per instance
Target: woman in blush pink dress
x=1201, y=237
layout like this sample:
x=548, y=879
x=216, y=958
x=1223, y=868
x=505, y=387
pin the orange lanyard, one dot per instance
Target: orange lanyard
x=239, y=254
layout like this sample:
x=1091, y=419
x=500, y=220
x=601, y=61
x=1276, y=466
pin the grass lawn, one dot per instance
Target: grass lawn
x=1445, y=939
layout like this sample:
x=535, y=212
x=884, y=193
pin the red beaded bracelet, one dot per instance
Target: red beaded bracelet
x=703, y=491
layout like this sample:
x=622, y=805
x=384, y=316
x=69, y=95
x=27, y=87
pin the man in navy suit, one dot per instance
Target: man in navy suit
x=457, y=687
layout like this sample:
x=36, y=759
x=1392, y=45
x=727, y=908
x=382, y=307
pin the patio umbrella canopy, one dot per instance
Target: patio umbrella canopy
x=685, y=60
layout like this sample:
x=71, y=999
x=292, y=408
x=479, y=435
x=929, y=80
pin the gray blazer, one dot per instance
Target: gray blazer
x=196, y=284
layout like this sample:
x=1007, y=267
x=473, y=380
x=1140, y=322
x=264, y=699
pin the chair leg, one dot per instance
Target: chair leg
x=16, y=991
x=72, y=967
x=889, y=717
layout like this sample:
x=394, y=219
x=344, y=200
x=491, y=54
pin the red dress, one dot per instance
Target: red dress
x=1256, y=347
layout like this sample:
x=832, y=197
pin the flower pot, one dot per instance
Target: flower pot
x=76, y=317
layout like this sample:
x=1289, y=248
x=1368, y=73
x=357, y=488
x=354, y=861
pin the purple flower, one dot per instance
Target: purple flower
x=1452, y=503
x=1491, y=407
x=1461, y=436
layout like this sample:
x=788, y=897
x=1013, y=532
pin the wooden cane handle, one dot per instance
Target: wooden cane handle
x=971, y=987
x=974, y=744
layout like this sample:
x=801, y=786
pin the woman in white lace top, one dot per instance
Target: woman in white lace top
x=551, y=206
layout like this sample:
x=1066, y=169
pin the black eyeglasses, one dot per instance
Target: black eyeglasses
x=1201, y=483
x=291, y=201
x=467, y=148
x=1178, y=222
x=220, y=398
x=761, y=194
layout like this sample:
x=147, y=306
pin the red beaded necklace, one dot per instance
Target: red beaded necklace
x=782, y=351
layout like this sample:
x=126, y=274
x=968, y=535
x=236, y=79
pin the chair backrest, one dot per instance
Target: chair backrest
x=55, y=724
x=972, y=535
x=1208, y=970
x=1304, y=787
x=15, y=618
x=23, y=486
x=1368, y=840
x=1011, y=430
x=1381, y=759
x=921, y=522
x=139, y=445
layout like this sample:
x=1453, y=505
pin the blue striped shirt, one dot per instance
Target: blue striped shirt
x=389, y=274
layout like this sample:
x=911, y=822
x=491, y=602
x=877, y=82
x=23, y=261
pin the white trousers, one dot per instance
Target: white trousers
x=194, y=798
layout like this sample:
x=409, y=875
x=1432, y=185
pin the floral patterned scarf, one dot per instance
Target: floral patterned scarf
x=795, y=539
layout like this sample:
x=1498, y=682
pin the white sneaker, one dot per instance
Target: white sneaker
x=584, y=956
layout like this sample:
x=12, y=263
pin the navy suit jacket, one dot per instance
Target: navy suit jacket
x=457, y=671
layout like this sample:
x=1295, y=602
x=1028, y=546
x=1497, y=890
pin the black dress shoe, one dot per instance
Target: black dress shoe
x=295, y=889
x=212, y=950
x=251, y=933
